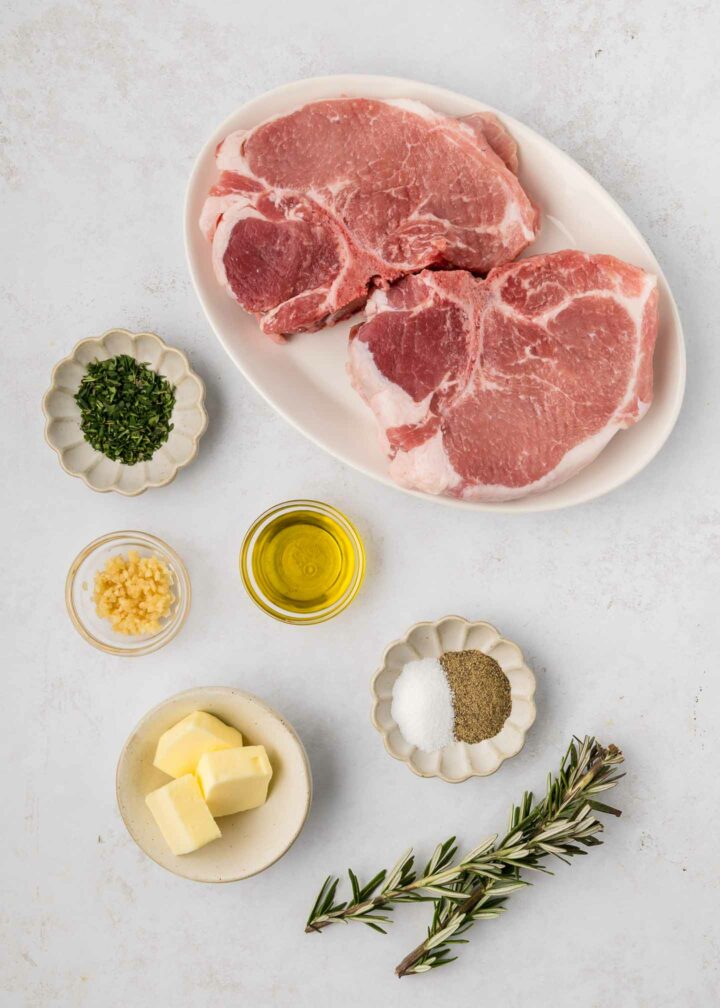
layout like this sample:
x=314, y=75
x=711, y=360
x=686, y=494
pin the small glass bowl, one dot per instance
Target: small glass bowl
x=288, y=615
x=80, y=584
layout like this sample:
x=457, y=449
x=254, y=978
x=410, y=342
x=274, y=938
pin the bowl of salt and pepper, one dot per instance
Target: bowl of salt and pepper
x=453, y=699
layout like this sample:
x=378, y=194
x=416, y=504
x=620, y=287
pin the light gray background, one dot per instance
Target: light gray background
x=105, y=107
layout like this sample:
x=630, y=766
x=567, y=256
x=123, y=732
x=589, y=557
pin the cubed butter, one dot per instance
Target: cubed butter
x=182, y=814
x=180, y=748
x=234, y=780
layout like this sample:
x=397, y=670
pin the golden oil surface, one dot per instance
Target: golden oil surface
x=303, y=561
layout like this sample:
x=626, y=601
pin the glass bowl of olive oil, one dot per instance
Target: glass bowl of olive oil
x=302, y=562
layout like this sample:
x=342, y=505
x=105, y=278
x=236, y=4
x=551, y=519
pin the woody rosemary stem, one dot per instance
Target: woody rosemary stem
x=403, y=968
x=561, y=824
x=462, y=915
x=400, y=885
x=358, y=909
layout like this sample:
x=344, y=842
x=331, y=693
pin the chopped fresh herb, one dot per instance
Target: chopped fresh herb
x=125, y=409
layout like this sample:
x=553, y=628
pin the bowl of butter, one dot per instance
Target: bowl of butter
x=214, y=785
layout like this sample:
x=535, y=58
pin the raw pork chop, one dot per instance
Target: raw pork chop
x=492, y=389
x=313, y=207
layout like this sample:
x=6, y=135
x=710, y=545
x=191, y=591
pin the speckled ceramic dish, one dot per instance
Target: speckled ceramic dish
x=457, y=762
x=251, y=841
x=62, y=430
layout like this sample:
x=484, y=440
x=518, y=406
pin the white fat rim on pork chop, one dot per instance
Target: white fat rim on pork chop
x=392, y=406
x=241, y=207
x=428, y=467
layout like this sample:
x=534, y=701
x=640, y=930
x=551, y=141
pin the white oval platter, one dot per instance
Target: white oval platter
x=305, y=380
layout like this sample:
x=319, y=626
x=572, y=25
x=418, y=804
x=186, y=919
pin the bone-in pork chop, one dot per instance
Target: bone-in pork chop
x=491, y=389
x=315, y=208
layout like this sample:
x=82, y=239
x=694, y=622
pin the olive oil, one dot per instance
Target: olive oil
x=303, y=561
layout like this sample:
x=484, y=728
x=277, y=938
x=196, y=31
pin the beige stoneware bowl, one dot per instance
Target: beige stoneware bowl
x=459, y=761
x=251, y=841
x=62, y=414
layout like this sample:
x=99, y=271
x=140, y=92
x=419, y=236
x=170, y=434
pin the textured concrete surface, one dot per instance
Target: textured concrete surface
x=105, y=106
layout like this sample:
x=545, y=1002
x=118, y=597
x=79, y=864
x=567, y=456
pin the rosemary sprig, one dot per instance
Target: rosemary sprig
x=400, y=885
x=561, y=825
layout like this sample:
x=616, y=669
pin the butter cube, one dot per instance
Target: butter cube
x=234, y=780
x=180, y=748
x=184, y=819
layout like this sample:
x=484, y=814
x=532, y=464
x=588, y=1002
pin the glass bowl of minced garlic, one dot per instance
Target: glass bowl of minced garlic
x=128, y=593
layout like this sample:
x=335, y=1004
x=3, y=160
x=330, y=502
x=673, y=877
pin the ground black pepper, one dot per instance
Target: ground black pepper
x=481, y=694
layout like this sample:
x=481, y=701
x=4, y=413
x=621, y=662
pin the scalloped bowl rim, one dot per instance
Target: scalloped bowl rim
x=200, y=406
x=407, y=759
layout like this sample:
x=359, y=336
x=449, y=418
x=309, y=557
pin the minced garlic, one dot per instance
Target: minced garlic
x=134, y=593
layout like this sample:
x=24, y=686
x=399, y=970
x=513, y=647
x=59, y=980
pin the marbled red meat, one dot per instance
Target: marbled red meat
x=314, y=208
x=492, y=389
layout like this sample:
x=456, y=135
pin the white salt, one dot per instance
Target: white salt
x=422, y=705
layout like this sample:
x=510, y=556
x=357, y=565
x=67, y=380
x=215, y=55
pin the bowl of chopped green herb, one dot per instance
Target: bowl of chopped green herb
x=124, y=412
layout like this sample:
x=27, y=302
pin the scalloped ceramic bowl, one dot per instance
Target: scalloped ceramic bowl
x=63, y=433
x=459, y=761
